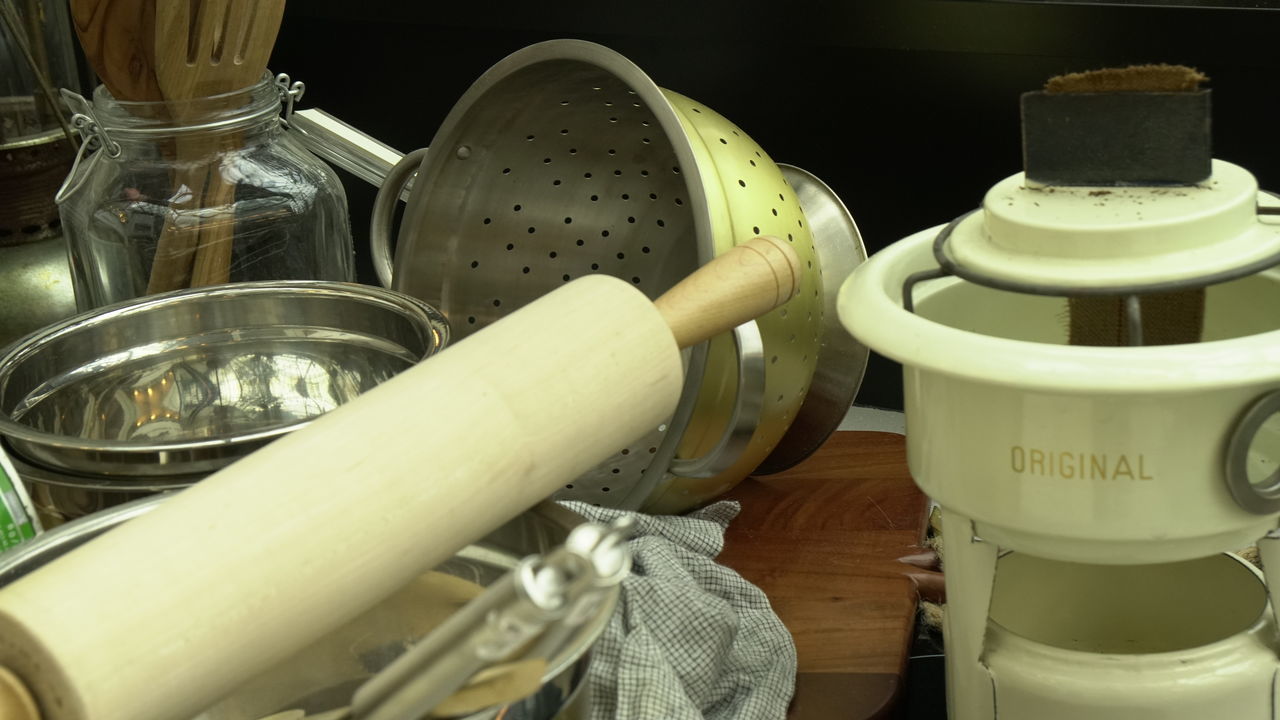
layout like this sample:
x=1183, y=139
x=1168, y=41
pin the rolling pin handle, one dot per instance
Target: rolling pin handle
x=739, y=285
x=16, y=702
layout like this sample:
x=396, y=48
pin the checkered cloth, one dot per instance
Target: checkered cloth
x=691, y=639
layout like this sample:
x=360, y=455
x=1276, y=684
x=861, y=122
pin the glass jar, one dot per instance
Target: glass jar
x=199, y=192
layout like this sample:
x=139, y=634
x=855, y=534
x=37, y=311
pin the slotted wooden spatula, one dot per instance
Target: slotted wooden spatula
x=210, y=47
x=205, y=48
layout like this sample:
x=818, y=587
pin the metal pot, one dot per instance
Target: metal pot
x=184, y=383
x=324, y=676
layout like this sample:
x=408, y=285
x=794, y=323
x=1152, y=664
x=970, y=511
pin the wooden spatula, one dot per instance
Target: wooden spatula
x=205, y=48
x=210, y=47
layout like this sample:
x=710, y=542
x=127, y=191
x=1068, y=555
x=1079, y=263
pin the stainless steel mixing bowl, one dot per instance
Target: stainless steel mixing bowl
x=323, y=676
x=185, y=383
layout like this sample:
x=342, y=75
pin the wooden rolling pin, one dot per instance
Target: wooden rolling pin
x=167, y=614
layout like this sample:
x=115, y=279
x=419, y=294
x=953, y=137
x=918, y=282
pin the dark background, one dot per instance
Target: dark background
x=908, y=109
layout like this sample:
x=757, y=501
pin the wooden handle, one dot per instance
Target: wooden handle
x=497, y=685
x=197, y=160
x=257, y=561
x=213, y=254
x=742, y=284
x=16, y=702
x=186, y=42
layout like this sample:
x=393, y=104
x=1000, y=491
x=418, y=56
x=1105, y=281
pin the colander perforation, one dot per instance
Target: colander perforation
x=764, y=204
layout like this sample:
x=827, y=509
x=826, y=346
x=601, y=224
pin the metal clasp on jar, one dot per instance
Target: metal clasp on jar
x=93, y=136
x=290, y=92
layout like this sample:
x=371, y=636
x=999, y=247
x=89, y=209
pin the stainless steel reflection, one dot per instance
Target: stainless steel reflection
x=323, y=677
x=186, y=382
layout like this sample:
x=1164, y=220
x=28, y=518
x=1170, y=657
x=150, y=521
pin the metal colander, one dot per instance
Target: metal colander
x=565, y=160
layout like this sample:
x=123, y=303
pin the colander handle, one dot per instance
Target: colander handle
x=747, y=409
x=727, y=270
x=369, y=159
x=340, y=144
x=384, y=207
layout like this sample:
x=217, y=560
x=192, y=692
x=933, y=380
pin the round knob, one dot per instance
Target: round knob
x=1253, y=457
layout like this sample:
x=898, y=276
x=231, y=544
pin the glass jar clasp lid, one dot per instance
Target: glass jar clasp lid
x=83, y=119
x=93, y=135
x=290, y=93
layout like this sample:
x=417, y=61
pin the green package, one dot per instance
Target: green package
x=18, y=523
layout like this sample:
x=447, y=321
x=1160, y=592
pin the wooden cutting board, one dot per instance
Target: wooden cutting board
x=824, y=541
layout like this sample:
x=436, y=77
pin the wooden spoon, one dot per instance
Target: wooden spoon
x=205, y=48
x=117, y=37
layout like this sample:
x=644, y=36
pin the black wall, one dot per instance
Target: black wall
x=907, y=108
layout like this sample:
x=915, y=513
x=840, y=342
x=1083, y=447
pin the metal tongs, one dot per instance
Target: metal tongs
x=519, y=622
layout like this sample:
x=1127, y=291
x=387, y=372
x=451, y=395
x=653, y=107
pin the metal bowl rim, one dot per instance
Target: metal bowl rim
x=22, y=349
x=54, y=477
x=842, y=359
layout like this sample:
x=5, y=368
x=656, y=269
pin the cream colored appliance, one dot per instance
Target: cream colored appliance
x=1089, y=492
